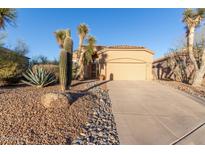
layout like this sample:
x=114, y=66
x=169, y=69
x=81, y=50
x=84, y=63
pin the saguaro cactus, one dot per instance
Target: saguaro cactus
x=66, y=44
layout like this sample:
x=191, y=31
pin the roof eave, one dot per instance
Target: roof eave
x=129, y=49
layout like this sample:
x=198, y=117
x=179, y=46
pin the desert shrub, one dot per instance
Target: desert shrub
x=43, y=60
x=38, y=77
x=50, y=68
x=11, y=66
x=179, y=66
x=21, y=48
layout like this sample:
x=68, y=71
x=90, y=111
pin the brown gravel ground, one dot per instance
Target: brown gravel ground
x=196, y=91
x=23, y=120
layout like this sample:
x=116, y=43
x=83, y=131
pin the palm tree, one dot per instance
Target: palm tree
x=7, y=16
x=86, y=56
x=192, y=18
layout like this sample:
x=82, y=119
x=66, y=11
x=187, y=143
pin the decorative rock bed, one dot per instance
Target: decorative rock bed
x=25, y=120
x=195, y=91
x=101, y=127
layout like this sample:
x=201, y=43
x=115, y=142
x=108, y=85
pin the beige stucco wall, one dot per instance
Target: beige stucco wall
x=126, y=64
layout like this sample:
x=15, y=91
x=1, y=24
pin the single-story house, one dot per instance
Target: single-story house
x=163, y=71
x=121, y=62
x=163, y=68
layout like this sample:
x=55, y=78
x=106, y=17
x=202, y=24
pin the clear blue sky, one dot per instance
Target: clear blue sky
x=156, y=29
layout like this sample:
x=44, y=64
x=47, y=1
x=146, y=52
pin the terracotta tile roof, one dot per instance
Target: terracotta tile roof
x=99, y=48
x=6, y=50
x=183, y=53
x=125, y=47
x=96, y=46
x=160, y=60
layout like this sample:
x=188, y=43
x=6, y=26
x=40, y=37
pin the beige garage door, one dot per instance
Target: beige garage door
x=126, y=71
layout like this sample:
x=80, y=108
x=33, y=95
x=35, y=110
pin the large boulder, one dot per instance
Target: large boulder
x=56, y=100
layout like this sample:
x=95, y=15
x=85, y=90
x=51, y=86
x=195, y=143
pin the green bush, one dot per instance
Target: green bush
x=12, y=65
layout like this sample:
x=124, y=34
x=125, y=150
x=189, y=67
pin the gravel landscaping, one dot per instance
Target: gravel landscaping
x=195, y=91
x=101, y=127
x=24, y=120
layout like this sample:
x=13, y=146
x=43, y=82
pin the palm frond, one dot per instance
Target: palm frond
x=60, y=36
x=91, y=40
x=7, y=16
x=83, y=29
x=193, y=17
x=2, y=38
x=188, y=13
x=201, y=12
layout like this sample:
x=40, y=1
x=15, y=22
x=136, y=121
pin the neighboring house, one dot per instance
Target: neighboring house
x=121, y=62
x=4, y=50
x=162, y=71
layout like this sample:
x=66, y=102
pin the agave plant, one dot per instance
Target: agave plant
x=38, y=77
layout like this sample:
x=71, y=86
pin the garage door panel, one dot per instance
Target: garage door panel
x=126, y=71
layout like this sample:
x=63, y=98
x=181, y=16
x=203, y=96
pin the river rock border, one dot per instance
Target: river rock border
x=101, y=127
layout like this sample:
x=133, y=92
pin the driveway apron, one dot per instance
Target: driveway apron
x=147, y=112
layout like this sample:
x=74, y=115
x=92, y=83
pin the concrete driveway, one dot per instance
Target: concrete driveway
x=147, y=112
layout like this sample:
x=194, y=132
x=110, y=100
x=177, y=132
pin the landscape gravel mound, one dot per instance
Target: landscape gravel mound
x=89, y=119
x=24, y=120
x=101, y=127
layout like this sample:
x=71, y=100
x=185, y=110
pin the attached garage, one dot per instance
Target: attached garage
x=126, y=63
x=120, y=71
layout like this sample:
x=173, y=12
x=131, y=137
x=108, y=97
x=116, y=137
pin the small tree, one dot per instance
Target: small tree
x=43, y=60
x=86, y=56
x=21, y=48
x=39, y=60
